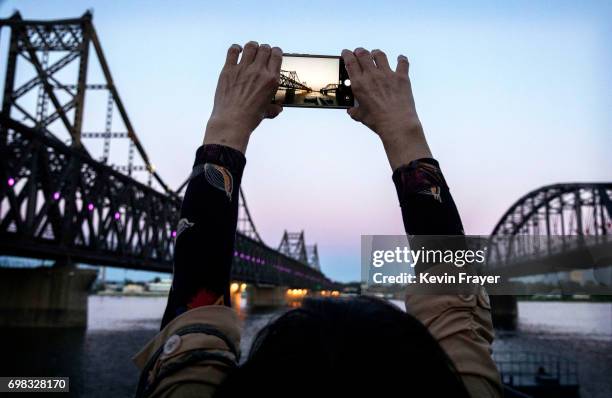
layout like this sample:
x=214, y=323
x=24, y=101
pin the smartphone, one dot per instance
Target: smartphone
x=314, y=81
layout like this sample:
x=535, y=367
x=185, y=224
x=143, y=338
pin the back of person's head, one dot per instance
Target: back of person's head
x=345, y=347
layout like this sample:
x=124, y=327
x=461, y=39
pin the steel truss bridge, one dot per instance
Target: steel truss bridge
x=330, y=88
x=289, y=80
x=561, y=224
x=59, y=200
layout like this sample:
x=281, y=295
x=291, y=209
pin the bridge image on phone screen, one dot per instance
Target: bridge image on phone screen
x=314, y=81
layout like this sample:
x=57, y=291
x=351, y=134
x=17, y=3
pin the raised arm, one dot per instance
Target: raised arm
x=207, y=228
x=200, y=337
x=462, y=325
x=386, y=106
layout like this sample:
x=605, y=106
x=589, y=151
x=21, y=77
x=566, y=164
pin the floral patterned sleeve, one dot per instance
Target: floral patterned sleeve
x=206, y=232
x=427, y=205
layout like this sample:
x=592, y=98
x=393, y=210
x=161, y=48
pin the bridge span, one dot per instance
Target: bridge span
x=59, y=200
x=560, y=228
x=62, y=200
x=554, y=228
x=65, y=195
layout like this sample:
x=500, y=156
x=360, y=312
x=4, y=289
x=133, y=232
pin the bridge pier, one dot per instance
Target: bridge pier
x=289, y=96
x=504, y=312
x=264, y=296
x=45, y=296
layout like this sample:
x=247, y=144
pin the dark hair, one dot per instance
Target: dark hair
x=345, y=347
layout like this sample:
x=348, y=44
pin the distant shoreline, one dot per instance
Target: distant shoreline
x=561, y=299
x=590, y=299
x=130, y=294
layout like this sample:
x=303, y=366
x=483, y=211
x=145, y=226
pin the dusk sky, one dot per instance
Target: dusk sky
x=512, y=96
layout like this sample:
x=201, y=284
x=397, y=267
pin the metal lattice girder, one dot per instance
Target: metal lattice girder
x=57, y=202
x=245, y=225
x=31, y=41
x=103, y=134
x=49, y=72
x=55, y=37
x=293, y=244
x=330, y=88
x=290, y=80
x=313, y=256
x=560, y=220
x=560, y=209
x=259, y=264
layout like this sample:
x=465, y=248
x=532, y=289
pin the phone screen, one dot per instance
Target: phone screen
x=314, y=81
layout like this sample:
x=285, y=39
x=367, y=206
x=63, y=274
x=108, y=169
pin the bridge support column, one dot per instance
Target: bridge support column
x=266, y=296
x=504, y=311
x=289, y=95
x=45, y=296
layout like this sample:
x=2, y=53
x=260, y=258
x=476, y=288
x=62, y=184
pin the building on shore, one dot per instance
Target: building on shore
x=159, y=286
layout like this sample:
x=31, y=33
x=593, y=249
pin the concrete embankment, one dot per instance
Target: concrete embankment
x=45, y=296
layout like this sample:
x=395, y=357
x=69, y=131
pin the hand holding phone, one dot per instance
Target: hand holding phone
x=386, y=104
x=314, y=81
x=242, y=98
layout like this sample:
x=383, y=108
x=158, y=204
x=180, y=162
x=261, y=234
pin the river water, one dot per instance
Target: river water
x=98, y=360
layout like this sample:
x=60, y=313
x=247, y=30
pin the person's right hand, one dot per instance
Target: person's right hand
x=244, y=94
x=386, y=104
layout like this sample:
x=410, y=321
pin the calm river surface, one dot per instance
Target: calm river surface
x=98, y=360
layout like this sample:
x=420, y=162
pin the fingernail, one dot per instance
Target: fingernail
x=402, y=57
x=278, y=49
x=360, y=50
x=376, y=49
x=265, y=45
x=238, y=46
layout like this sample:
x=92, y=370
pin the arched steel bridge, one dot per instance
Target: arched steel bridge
x=60, y=201
x=330, y=88
x=569, y=224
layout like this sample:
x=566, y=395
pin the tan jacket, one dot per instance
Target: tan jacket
x=463, y=327
x=193, y=354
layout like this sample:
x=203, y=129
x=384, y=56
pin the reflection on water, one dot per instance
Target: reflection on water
x=98, y=360
x=578, y=331
x=572, y=319
x=305, y=98
x=579, y=318
x=124, y=313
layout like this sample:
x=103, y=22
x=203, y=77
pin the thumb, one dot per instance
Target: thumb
x=272, y=111
x=355, y=113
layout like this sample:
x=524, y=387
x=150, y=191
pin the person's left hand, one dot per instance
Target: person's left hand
x=386, y=104
x=244, y=94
